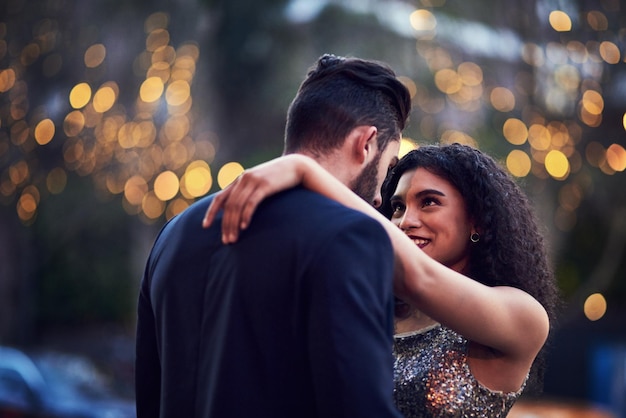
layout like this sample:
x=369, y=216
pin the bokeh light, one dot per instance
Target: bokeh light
x=515, y=131
x=7, y=79
x=595, y=306
x=80, y=95
x=423, y=20
x=406, y=145
x=44, y=131
x=177, y=93
x=95, y=55
x=166, y=185
x=557, y=164
x=151, y=89
x=518, y=163
x=560, y=21
x=104, y=99
x=197, y=180
x=616, y=157
x=228, y=173
x=502, y=99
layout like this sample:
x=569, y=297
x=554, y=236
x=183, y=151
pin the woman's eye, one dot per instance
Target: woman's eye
x=429, y=201
x=397, y=207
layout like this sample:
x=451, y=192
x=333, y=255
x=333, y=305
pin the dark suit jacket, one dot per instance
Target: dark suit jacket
x=294, y=320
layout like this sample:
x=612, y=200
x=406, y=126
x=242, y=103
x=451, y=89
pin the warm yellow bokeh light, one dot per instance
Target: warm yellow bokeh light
x=515, y=131
x=197, y=180
x=135, y=189
x=175, y=207
x=166, y=185
x=610, y=52
x=518, y=163
x=74, y=123
x=44, y=131
x=593, y=102
x=539, y=137
x=7, y=80
x=423, y=20
x=560, y=21
x=156, y=39
x=80, y=95
x=448, y=81
x=406, y=145
x=152, y=206
x=104, y=99
x=94, y=56
x=616, y=157
x=228, y=173
x=557, y=164
x=624, y=121
x=502, y=99
x=151, y=89
x=177, y=93
x=595, y=306
x=471, y=74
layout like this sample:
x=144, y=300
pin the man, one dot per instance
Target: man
x=296, y=318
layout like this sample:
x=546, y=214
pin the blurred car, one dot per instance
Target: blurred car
x=55, y=386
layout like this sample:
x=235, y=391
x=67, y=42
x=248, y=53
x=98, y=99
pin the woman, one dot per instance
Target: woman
x=472, y=272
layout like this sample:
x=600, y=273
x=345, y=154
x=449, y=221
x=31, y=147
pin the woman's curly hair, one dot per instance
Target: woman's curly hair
x=511, y=250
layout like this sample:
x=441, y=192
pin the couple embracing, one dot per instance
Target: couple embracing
x=362, y=286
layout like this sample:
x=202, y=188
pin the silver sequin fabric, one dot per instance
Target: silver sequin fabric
x=433, y=379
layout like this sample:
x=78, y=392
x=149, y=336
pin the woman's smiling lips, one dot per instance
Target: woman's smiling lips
x=419, y=241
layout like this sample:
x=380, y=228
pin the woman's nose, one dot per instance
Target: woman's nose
x=409, y=220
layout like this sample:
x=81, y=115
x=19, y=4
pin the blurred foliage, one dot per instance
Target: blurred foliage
x=81, y=251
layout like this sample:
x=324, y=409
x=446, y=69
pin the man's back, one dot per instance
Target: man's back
x=293, y=320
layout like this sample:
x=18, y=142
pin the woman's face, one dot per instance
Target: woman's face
x=431, y=211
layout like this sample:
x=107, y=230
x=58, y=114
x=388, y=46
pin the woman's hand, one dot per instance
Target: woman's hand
x=241, y=198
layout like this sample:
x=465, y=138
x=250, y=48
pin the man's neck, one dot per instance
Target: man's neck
x=335, y=163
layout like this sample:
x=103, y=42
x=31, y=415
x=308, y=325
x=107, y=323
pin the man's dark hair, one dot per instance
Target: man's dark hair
x=340, y=94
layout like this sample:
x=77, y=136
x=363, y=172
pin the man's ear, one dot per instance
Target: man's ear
x=363, y=143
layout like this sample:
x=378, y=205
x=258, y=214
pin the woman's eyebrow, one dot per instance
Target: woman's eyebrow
x=429, y=191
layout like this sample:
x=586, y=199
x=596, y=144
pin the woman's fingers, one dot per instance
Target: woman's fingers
x=241, y=198
x=233, y=207
x=216, y=204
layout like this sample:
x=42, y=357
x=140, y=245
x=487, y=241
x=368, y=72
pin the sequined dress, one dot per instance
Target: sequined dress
x=433, y=379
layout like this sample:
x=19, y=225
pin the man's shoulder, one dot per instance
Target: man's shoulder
x=306, y=213
x=300, y=203
x=189, y=221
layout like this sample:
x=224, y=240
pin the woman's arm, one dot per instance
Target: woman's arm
x=503, y=318
x=241, y=197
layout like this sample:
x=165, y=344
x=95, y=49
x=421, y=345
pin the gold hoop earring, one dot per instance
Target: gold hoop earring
x=475, y=237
